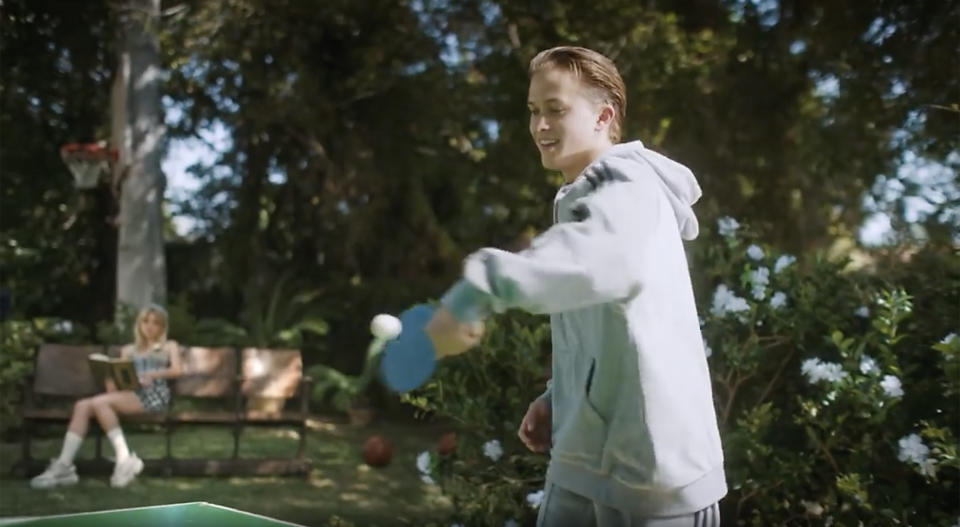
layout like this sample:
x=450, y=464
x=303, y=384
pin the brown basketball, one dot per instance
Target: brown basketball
x=377, y=451
x=447, y=443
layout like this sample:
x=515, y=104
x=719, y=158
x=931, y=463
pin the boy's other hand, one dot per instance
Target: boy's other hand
x=450, y=336
x=109, y=385
x=535, y=427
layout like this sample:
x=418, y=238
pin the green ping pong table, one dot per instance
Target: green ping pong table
x=180, y=514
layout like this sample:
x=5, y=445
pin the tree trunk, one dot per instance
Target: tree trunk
x=141, y=264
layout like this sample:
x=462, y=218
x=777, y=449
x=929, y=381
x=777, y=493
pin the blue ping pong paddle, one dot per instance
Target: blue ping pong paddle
x=409, y=360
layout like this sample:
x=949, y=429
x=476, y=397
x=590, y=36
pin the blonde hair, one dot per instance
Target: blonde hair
x=595, y=71
x=139, y=340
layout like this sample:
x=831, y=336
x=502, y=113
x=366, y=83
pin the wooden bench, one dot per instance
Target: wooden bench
x=215, y=389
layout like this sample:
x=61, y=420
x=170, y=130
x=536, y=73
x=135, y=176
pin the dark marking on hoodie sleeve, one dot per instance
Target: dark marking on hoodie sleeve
x=580, y=212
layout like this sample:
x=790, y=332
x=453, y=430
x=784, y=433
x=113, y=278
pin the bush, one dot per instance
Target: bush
x=486, y=392
x=837, y=404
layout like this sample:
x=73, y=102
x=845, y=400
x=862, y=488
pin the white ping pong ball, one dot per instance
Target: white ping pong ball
x=385, y=326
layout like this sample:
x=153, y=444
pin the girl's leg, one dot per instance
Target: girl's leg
x=106, y=407
x=80, y=419
x=76, y=430
x=61, y=471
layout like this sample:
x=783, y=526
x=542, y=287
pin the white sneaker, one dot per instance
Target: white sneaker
x=56, y=474
x=126, y=470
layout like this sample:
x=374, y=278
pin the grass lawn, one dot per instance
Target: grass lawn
x=341, y=486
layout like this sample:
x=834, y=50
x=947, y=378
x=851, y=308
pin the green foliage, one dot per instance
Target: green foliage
x=19, y=341
x=819, y=425
x=288, y=313
x=486, y=392
x=119, y=330
x=345, y=390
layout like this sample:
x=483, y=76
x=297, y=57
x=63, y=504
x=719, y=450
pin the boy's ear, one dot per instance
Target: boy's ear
x=605, y=118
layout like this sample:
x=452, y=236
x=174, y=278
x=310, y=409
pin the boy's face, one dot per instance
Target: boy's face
x=567, y=125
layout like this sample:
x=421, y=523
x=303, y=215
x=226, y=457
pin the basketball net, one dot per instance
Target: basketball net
x=87, y=161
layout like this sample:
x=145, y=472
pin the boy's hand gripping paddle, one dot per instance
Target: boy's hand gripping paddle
x=409, y=360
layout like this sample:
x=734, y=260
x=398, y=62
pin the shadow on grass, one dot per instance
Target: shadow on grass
x=339, y=486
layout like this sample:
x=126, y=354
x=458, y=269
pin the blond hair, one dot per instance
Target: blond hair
x=594, y=70
x=139, y=339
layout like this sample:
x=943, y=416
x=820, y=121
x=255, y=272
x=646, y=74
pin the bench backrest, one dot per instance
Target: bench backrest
x=271, y=373
x=61, y=369
x=206, y=372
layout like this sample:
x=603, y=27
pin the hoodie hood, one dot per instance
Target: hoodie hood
x=680, y=185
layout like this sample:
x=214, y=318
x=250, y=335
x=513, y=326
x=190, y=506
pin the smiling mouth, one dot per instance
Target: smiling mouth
x=547, y=143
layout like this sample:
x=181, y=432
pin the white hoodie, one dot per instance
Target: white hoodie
x=634, y=425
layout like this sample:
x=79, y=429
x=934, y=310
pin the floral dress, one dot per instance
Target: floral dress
x=155, y=397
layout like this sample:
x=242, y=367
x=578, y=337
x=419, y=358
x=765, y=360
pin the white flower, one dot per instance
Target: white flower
x=423, y=462
x=817, y=370
x=427, y=479
x=534, y=499
x=755, y=252
x=706, y=349
x=492, y=449
x=760, y=278
x=813, y=508
x=784, y=261
x=725, y=301
x=511, y=523
x=947, y=340
x=832, y=371
x=778, y=300
x=862, y=312
x=868, y=366
x=727, y=226
x=891, y=386
x=912, y=449
x=702, y=322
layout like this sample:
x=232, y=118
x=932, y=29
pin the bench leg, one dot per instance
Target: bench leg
x=303, y=440
x=25, y=440
x=168, y=462
x=98, y=454
x=20, y=467
x=236, y=441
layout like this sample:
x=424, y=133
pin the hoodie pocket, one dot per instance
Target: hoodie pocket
x=583, y=436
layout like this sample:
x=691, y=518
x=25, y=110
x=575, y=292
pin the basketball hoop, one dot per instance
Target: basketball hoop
x=87, y=161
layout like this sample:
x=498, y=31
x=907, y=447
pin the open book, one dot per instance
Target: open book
x=120, y=370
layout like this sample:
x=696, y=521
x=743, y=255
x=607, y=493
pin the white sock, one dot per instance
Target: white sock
x=119, y=444
x=71, y=443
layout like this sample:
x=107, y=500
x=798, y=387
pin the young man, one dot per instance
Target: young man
x=628, y=418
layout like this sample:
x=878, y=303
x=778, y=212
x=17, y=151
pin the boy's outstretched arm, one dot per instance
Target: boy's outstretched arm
x=601, y=258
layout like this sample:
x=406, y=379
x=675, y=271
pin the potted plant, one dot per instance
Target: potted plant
x=344, y=392
x=347, y=393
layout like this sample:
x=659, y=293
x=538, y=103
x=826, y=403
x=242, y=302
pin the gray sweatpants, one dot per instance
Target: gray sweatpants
x=562, y=508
